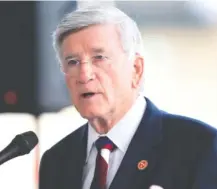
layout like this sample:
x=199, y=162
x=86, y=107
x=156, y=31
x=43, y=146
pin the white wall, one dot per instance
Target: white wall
x=181, y=71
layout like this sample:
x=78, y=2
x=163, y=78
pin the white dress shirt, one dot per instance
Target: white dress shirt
x=121, y=135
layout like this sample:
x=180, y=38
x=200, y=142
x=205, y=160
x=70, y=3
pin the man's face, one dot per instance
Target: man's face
x=104, y=81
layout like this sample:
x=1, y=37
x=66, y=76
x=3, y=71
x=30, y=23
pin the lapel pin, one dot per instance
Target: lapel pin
x=142, y=164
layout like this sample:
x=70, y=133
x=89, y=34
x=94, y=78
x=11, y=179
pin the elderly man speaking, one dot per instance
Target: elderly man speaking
x=127, y=143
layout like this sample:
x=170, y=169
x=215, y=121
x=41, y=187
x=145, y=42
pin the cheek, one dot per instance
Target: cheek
x=123, y=77
x=107, y=80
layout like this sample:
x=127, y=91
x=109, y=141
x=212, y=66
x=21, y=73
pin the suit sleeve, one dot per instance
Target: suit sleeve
x=44, y=172
x=206, y=172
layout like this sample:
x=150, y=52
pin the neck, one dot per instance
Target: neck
x=104, y=124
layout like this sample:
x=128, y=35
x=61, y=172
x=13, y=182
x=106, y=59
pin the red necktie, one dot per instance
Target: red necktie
x=104, y=147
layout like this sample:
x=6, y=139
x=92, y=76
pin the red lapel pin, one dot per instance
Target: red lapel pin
x=142, y=164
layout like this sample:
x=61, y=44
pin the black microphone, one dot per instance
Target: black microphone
x=22, y=144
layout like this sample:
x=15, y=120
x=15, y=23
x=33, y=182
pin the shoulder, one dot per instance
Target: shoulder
x=178, y=127
x=70, y=141
x=185, y=125
x=187, y=133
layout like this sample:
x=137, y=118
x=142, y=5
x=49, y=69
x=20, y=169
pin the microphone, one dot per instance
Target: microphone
x=22, y=144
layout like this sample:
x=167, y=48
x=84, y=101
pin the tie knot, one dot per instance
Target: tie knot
x=104, y=143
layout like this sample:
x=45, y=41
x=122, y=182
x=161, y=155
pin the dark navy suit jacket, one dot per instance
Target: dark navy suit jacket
x=181, y=154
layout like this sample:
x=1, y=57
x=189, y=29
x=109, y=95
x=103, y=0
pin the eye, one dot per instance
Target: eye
x=99, y=57
x=72, y=62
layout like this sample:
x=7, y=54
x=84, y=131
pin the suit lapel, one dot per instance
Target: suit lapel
x=142, y=147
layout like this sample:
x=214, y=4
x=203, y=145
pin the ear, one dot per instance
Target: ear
x=138, y=70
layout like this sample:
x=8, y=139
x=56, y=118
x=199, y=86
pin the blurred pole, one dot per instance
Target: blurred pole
x=17, y=60
x=52, y=92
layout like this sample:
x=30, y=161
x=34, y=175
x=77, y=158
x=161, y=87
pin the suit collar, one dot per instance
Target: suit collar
x=142, y=147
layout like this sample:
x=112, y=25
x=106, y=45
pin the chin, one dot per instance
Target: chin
x=91, y=110
x=90, y=114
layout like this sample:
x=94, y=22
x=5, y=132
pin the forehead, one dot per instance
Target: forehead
x=93, y=37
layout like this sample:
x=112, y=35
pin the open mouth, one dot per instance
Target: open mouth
x=87, y=95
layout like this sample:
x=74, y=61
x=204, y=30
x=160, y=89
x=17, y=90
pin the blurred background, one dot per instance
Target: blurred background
x=180, y=40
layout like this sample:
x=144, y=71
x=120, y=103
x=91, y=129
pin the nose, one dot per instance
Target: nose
x=85, y=72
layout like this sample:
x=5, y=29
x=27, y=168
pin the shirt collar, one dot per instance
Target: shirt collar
x=126, y=126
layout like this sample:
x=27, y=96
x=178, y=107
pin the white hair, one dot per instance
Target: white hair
x=130, y=36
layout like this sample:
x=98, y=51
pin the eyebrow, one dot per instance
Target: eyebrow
x=75, y=55
x=97, y=50
x=72, y=56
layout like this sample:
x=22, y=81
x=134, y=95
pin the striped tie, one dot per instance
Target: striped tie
x=104, y=147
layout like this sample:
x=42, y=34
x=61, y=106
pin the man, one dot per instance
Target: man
x=128, y=143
